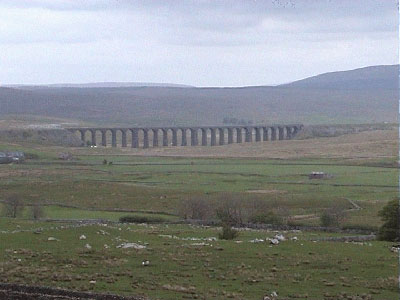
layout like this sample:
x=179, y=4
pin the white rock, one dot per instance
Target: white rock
x=82, y=237
x=257, y=241
x=52, y=239
x=274, y=294
x=92, y=281
x=274, y=241
x=106, y=246
x=294, y=238
x=87, y=246
x=145, y=263
x=280, y=237
x=131, y=245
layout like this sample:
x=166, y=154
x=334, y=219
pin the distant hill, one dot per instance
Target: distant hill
x=98, y=85
x=368, y=78
x=364, y=95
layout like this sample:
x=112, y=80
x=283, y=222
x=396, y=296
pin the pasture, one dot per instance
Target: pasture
x=185, y=260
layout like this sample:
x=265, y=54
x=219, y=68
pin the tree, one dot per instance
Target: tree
x=13, y=206
x=37, y=211
x=196, y=208
x=230, y=210
x=389, y=214
x=332, y=217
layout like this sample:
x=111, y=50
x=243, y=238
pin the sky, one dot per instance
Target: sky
x=197, y=42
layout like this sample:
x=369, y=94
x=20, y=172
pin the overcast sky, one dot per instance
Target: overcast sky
x=201, y=43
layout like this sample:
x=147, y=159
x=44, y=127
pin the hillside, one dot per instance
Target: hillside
x=97, y=85
x=368, y=78
x=360, y=96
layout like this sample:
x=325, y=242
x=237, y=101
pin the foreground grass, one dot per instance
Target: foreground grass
x=182, y=267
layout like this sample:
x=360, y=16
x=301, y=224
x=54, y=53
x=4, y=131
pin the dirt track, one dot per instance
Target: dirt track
x=25, y=292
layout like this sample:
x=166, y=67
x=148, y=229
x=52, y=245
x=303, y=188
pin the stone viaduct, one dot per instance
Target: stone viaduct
x=210, y=135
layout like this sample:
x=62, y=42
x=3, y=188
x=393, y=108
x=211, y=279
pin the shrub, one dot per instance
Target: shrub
x=389, y=214
x=31, y=156
x=104, y=161
x=36, y=211
x=196, y=208
x=332, y=217
x=267, y=218
x=328, y=220
x=230, y=210
x=361, y=227
x=228, y=233
x=141, y=219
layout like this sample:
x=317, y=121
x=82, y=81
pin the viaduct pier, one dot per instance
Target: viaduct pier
x=145, y=137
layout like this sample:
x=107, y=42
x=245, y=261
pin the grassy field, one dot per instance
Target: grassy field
x=186, y=262
x=180, y=268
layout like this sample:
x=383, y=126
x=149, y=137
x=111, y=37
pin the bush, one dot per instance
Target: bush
x=332, y=217
x=361, y=227
x=13, y=206
x=141, y=219
x=389, y=214
x=31, y=156
x=267, y=218
x=195, y=208
x=230, y=210
x=228, y=233
x=36, y=211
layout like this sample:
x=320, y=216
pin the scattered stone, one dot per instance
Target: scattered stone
x=274, y=241
x=82, y=237
x=87, y=246
x=257, y=241
x=52, y=239
x=280, y=237
x=145, y=263
x=131, y=245
x=92, y=281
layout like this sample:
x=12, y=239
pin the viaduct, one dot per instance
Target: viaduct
x=235, y=134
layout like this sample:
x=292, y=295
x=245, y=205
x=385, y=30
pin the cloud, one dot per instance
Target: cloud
x=221, y=42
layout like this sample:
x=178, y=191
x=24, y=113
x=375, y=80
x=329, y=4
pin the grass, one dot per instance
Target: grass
x=181, y=268
x=160, y=184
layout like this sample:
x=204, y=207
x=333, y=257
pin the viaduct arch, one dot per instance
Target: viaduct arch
x=179, y=136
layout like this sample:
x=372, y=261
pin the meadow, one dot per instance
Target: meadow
x=186, y=261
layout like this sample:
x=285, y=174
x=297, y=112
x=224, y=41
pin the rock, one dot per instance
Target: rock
x=87, y=246
x=92, y=281
x=82, y=237
x=52, y=239
x=294, y=238
x=131, y=245
x=145, y=263
x=257, y=241
x=274, y=241
x=280, y=237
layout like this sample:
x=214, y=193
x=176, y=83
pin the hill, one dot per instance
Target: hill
x=97, y=85
x=358, y=96
x=368, y=78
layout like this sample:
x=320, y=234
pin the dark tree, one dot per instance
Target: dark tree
x=389, y=214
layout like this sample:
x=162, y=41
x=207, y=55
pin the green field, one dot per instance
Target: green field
x=182, y=268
